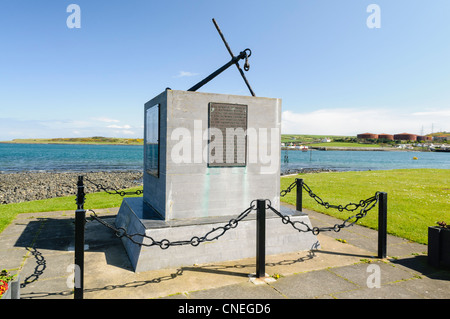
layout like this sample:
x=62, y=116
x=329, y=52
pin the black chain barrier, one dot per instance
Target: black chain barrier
x=366, y=205
x=350, y=207
x=214, y=234
x=259, y=205
x=289, y=189
x=113, y=191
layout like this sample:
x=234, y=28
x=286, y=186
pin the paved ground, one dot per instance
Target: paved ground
x=39, y=247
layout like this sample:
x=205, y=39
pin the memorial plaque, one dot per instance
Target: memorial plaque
x=152, y=141
x=227, y=135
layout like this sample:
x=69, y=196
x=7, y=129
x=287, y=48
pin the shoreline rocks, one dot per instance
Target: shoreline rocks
x=306, y=171
x=29, y=186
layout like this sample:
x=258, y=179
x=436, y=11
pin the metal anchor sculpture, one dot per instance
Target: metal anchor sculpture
x=234, y=60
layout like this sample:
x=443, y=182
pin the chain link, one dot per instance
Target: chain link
x=214, y=234
x=366, y=205
x=114, y=191
x=248, y=53
x=289, y=189
x=350, y=207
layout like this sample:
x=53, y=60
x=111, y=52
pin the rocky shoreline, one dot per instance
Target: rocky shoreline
x=307, y=171
x=29, y=186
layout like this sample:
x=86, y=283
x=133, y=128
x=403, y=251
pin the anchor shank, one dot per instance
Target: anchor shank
x=215, y=73
x=231, y=53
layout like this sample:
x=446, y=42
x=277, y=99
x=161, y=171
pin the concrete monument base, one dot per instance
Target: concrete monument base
x=136, y=217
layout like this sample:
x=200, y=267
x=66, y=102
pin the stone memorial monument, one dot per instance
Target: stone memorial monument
x=207, y=157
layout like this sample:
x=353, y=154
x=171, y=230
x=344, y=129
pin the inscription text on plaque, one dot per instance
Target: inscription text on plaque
x=227, y=135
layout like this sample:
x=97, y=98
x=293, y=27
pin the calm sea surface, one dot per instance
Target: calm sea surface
x=364, y=160
x=52, y=157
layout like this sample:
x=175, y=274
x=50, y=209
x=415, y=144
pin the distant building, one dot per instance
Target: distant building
x=405, y=137
x=384, y=136
x=401, y=137
x=405, y=146
x=367, y=135
x=424, y=138
x=441, y=138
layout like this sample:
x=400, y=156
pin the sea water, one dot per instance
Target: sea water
x=364, y=160
x=70, y=158
x=75, y=157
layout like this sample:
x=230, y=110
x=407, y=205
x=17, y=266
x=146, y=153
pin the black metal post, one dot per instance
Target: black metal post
x=382, y=225
x=260, y=238
x=299, y=200
x=80, y=220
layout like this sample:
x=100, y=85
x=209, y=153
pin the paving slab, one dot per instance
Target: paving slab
x=36, y=246
x=53, y=288
x=437, y=288
x=245, y=290
x=391, y=291
x=360, y=273
x=312, y=285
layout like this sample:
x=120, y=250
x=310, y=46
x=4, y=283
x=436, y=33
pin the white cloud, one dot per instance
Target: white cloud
x=105, y=119
x=63, y=124
x=118, y=133
x=119, y=126
x=185, y=74
x=445, y=113
x=351, y=121
x=12, y=128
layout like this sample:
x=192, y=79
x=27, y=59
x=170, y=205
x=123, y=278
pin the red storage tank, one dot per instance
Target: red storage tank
x=389, y=137
x=424, y=138
x=367, y=135
x=405, y=137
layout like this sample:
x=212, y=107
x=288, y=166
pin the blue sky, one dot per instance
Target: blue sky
x=334, y=74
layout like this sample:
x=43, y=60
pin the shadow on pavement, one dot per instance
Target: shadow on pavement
x=420, y=265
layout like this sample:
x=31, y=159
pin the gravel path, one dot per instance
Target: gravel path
x=28, y=186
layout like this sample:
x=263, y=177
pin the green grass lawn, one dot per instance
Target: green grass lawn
x=93, y=200
x=417, y=198
x=344, y=144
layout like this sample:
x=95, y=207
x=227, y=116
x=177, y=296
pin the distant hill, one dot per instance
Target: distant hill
x=307, y=139
x=439, y=134
x=81, y=140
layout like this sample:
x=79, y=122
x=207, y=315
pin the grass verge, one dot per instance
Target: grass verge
x=344, y=144
x=417, y=198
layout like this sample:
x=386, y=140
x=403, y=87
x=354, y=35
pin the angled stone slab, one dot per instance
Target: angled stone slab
x=237, y=243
